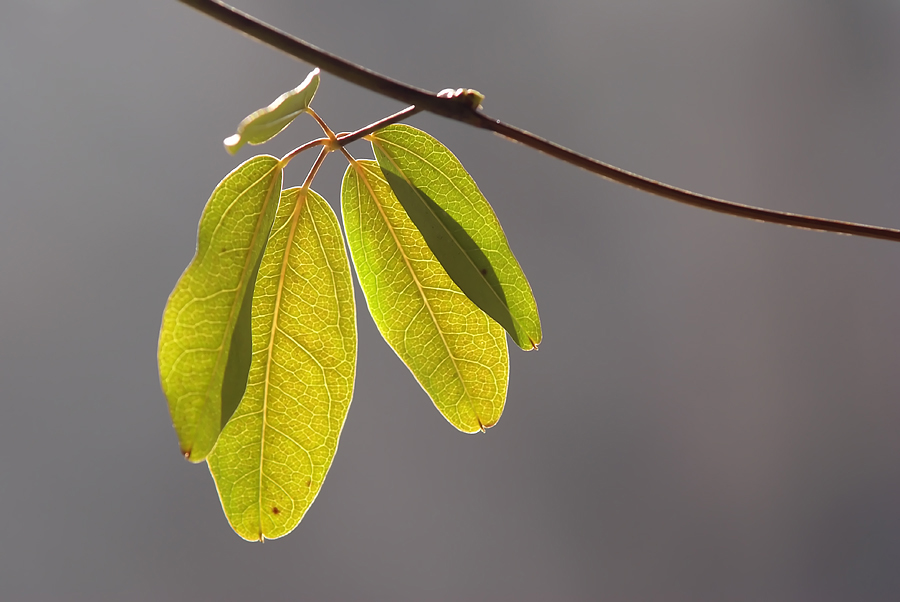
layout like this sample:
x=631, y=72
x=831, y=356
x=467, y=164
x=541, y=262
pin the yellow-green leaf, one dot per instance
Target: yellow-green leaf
x=200, y=318
x=456, y=352
x=274, y=453
x=459, y=226
x=264, y=124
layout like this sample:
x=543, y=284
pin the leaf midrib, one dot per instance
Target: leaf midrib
x=419, y=286
x=295, y=219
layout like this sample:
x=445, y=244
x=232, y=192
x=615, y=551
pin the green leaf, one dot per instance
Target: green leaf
x=264, y=124
x=459, y=226
x=200, y=318
x=274, y=453
x=238, y=367
x=455, y=351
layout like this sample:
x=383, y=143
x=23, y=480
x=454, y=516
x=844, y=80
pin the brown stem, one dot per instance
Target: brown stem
x=347, y=138
x=315, y=167
x=461, y=108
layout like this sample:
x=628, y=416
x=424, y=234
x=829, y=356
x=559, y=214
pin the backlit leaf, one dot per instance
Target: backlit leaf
x=456, y=352
x=264, y=124
x=274, y=453
x=199, y=321
x=459, y=226
x=235, y=380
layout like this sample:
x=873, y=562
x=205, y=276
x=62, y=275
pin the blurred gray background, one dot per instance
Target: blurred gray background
x=714, y=413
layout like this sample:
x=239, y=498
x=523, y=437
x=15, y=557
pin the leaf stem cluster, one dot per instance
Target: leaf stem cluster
x=334, y=141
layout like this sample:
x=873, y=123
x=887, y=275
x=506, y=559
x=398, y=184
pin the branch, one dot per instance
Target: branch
x=462, y=108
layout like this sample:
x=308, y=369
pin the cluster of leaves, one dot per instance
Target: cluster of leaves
x=257, y=350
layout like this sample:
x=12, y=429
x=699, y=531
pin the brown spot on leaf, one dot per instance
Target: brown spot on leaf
x=484, y=271
x=275, y=510
x=309, y=482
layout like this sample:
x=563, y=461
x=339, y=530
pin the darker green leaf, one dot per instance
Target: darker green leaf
x=460, y=227
x=197, y=373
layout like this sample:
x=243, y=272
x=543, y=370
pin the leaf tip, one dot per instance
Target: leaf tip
x=233, y=143
x=484, y=426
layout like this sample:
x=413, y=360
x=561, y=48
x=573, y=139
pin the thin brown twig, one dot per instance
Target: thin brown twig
x=315, y=167
x=461, y=108
x=345, y=138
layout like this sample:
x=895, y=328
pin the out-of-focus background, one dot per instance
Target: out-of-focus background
x=714, y=413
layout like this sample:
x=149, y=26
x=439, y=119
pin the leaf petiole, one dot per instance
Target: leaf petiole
x=346, y=138
x=338, y=141
x=291, y=155
x=315, y=167
x=328, y=131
